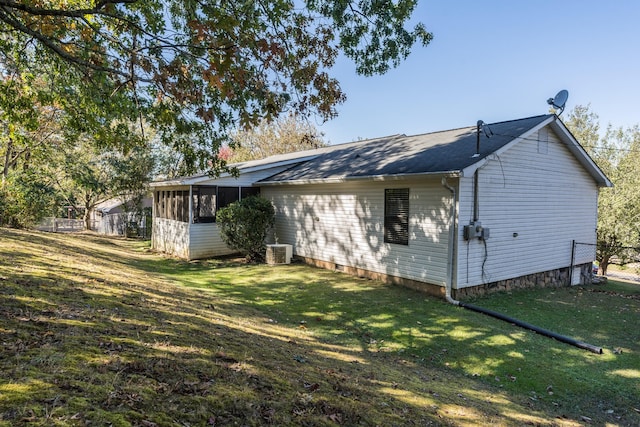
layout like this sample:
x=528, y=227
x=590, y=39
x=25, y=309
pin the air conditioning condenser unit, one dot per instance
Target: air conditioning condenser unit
x=279, y=254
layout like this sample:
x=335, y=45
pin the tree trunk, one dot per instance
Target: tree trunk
x=7, y=160
x=604, y=263
x=87, y=220
x=88, y=206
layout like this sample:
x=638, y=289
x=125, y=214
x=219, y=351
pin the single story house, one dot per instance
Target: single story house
x=458, y=211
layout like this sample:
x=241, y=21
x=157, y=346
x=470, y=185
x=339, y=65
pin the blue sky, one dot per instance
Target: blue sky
x=499, y=60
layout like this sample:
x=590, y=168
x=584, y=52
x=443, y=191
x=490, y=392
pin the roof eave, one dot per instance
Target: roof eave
x=197, y=179
x=580, y=153
x=377, y=178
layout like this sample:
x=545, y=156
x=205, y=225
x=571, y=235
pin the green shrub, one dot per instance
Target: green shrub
x=244, y=225
x=25, y=200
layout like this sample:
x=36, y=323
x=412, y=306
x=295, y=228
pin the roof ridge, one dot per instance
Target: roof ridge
x=521, y=119
x=473, y=127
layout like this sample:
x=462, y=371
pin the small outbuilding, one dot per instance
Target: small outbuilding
x=119, y=217
x=471, y=209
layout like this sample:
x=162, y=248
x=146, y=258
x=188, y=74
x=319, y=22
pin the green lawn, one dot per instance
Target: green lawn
x=102, y=332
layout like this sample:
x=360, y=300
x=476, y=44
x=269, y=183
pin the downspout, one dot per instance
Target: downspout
x=452, y=243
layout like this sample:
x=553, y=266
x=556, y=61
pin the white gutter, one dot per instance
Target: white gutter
x=452, y=242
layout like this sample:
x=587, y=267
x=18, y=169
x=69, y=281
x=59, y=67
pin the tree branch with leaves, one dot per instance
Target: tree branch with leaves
x=195, y=70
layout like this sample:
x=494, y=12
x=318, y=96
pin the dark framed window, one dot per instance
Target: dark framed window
x=227, y=195
x=207, y=200
x=396, y=216
x=249, y=191
x=204, y=204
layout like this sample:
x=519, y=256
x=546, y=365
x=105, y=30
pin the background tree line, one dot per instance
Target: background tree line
x=44, y=175
x=617, y=151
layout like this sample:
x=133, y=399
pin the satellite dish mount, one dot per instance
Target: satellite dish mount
x=480, y=125
x=558, y=102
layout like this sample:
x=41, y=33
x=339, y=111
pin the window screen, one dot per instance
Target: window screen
x=227, y=195
x=249, y=191
x=172, y=205
x=396, y=216
x=204, y=204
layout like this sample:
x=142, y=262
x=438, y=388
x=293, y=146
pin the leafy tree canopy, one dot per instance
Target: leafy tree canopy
x=284, y=135
x=192, y=70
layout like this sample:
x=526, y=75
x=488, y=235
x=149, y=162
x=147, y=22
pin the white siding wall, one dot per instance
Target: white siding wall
x=205, y=241
x=344, y=224
x=189, y=241
x=171, y=237
x=537, y=190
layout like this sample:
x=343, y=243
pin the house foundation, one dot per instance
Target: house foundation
x=557, y=278
x=427, y=288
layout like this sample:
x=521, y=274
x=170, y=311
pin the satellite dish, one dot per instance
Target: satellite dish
x=559, y=100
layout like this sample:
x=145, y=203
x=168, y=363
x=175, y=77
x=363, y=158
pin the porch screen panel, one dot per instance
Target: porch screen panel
x=182, y=206
x=204, y=204
x=396, y=216
x=249, y=191
x=184, y=214
x=156, y=201
x=227, y=195
x=173, y=195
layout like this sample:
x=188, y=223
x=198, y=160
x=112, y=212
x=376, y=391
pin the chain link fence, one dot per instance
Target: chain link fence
x=584, y=253
x=582, y=257
x=628, y=255
x=60, y=225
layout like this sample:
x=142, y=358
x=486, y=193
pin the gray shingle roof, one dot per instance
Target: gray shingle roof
x=431, y=153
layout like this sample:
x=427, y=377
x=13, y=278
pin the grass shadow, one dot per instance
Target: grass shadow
x=99, y=331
